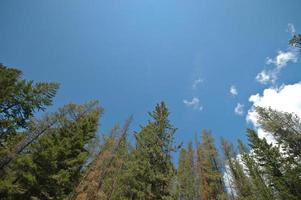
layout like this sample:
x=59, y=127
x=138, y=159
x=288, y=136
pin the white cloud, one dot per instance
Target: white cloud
x=286, y=98
x=265, y=77
x=233, y=90
x=283, y=58
x=280, y=61
x=196, y=83
x=239, y=109
x=194, y=103
x=291, y=29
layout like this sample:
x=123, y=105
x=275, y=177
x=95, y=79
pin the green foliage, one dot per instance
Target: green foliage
x=260, y=189
x=296, y=41
x=19, y=99
x=51, y=158
x=51, y=167
x=150, y=170
x=186, y=174
x=281, y=162
x=239, y=182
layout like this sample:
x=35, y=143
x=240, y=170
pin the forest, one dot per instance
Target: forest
x=60, y=156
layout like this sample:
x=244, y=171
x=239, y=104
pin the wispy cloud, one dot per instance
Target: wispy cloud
x=233, y=90
x=291, y=29
x=265, y=77
x=283, y=58
x=279, y=62
x=196, y=83
x=239, y=109
x=194, y=103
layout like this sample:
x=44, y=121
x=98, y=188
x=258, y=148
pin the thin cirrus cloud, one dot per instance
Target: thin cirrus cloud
x=196, y=83
x=279, y=62
x=291, y=29
x=239, y=109
x=233, y=90
x=194, y=103
x=286, y=98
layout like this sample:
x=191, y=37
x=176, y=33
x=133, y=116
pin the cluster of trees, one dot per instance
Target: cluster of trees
x=61, y=155
x=261, y=170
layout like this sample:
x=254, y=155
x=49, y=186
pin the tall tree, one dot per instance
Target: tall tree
x=151, y=170
x=186, y=174
x=260, y=190
x=212, y=186
x=104, y=176
x=19, y=99
x=281, y=161
x=274, y=168
x=51, y=167
x=242, y=185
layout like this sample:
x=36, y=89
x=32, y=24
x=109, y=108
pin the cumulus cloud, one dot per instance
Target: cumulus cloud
x=196, y=83
x=233, y=90
x=239, y=109
x=286, y=98
x=279, y=61
x=194, y=103
x=291, y=29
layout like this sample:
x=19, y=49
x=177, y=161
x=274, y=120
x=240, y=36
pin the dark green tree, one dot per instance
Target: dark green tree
x=19, y=99
x=151, y=171
x=241, y=182
x=186, y=174
x=280, y=161
x=51, y=167
x=296, y=41
x=260, y=189
x=274, y=168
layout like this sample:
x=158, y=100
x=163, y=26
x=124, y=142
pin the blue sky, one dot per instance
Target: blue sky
x=131, y=54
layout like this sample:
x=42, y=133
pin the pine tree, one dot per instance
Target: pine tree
x=286, y=130
x=104, y=178
x=19, y=99
x=151, y=171
x=186, y=174
x=260, y=189
x=52, y=166
x=212, y=186
x=296, y=41
x=242, y=185
x=274, y=168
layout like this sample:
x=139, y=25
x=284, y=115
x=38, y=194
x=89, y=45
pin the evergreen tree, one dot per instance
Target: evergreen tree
x=186, y=174
x=285, y=128
x=51, y=167
x=274, y=168
x=212, y=186
x=296, y=41
x=19, y=99
x=260, y=190
x=104, y=177
x=242, y=185
x=151, y=171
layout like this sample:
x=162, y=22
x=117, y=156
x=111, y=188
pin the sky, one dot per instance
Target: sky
x=210, y=61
